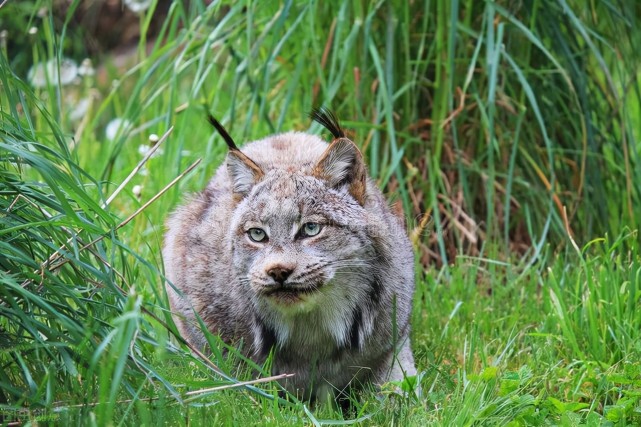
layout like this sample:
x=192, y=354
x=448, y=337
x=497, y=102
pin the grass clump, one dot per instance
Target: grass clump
x=69, y=314
x=507, y=131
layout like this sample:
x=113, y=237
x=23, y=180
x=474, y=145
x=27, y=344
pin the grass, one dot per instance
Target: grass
x=509, y=135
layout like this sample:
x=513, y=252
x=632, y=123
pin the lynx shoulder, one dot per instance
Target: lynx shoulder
x=291, y=248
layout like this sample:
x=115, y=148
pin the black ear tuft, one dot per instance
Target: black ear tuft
x=325, y=117
x=223, y=132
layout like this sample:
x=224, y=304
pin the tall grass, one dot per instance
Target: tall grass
x=60, y=293
x=507, y=131
x=501, y=122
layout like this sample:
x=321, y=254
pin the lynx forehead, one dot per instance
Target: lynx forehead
x=292, y=249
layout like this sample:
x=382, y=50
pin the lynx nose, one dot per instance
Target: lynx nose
x=279, y=273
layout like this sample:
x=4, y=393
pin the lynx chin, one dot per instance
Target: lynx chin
x=292, y=249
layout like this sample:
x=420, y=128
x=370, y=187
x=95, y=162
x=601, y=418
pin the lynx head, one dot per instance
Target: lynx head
x=299, y=238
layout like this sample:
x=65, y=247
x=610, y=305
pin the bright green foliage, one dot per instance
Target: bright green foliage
x=514, y=126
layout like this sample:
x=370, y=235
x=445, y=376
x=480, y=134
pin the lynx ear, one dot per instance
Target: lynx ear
x=243, y=172
x=342, y=165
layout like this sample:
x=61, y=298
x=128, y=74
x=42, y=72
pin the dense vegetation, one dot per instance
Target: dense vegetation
x=507, y=131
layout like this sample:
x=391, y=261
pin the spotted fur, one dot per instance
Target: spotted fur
x=336, y=328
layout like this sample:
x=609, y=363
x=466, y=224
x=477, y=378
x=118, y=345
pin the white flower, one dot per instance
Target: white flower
x=144, y=149
x=80, y=109
x=117, y=127
x=137, y=6
x=153, y=140
x=86, y=68
x=41, y=74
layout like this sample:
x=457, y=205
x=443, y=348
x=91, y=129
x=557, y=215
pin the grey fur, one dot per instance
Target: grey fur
x=356, y=272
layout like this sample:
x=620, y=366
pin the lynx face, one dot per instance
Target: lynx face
x=295, y=249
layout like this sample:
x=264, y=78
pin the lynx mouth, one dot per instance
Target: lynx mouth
x=290, y=294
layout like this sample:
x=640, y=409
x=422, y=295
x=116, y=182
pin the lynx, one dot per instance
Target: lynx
x=292, y=249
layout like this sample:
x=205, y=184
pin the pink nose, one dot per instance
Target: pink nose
x=279, y=273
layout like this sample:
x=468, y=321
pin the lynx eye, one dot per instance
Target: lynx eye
x=257, y=234
x=310, y=229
